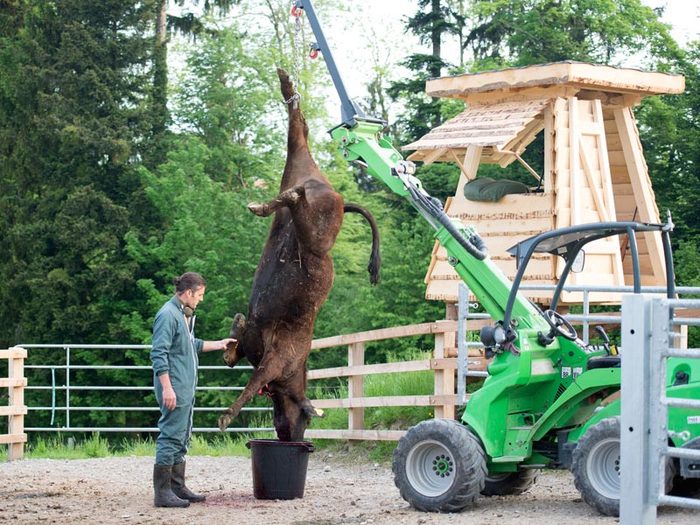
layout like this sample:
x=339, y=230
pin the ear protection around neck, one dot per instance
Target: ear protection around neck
x=187, y=310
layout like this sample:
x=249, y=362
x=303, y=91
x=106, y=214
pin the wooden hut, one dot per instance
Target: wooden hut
x=594, y=168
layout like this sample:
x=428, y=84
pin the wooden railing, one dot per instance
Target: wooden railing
x=15, y=409
x=443, y=364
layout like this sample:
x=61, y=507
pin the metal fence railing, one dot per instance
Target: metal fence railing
x=467, y=315
x=62, y=388
x=649, y=325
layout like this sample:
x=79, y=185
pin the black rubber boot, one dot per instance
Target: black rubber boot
x=179, y=487
x=164, y=495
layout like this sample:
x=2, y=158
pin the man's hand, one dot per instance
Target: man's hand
x=217, y=345
x=169, y=398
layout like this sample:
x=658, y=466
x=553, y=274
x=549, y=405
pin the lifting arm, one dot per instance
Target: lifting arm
x=360, y=139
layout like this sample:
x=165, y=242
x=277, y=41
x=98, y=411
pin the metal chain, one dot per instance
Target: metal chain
x=296, y=60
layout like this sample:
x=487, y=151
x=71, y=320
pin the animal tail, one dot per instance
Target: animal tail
x=375, y=260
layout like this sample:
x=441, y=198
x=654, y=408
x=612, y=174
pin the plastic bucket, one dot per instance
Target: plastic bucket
x=279, y=467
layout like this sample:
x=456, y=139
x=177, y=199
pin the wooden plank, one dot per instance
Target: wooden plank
x=356, y=386
x=641, y=185
x=433, y=156
x=12, y=382
x=605, y=214
x=549, y=136
x=13, y=411
x=15, y=352
x=363, y=435
x=386, y=401
x=444, y=379
x=577, y=74
x=381, y=368
x=574, y=160
x=6, y=439
x=385, y=333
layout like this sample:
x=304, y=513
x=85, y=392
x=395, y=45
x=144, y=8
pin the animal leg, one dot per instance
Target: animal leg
x=270, y=368
x=232, y=355
x=287, y=198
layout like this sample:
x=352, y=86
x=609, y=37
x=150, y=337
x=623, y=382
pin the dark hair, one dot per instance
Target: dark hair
x=188, y=281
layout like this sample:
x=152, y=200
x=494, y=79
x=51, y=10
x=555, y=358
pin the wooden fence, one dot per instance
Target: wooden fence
x=443, y=364
x=15, y=409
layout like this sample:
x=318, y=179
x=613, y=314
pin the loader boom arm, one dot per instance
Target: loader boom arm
x=360, y=139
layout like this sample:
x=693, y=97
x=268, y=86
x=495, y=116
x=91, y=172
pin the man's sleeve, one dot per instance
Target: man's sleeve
x=163, y=332
x=198, y=345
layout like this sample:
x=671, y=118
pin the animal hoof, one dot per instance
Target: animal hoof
x=257, y=209
x=223, y=422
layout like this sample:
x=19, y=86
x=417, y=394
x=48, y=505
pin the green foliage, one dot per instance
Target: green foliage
x=516, y=32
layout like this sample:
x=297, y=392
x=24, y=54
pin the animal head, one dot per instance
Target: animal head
x=291, y=417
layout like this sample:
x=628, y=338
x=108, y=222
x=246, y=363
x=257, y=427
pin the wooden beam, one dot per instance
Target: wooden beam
x=641, y=185
x=387, y=401
x=385, y=333
x=13, y=411
x=13, y=353
x=9, y=439
x=363, y=435
x=548, y=76
x=356, y=386
x=383, y=368
x=13, y=382
x=603, y=211
x=431, y=157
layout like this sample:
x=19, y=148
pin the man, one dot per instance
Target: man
x=175, y=358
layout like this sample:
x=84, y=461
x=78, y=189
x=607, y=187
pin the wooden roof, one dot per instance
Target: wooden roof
x=495, y=125
x=576, y=74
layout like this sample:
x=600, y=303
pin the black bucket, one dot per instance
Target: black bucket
x=279, y=467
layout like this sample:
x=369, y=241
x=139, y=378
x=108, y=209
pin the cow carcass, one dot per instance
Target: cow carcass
x=292, y=281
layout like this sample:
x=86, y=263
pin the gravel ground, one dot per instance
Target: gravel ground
x=339, y=490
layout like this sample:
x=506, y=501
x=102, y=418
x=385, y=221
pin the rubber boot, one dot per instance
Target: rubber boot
x=179, y=487
x=164, y=495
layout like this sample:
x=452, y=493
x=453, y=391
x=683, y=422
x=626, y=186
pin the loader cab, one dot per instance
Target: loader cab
x=569, y=243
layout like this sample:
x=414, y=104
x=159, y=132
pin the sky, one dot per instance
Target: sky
x=369, y=18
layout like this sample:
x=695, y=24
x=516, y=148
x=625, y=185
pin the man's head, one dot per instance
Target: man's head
x=190, y=287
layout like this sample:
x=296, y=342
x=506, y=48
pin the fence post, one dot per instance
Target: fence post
x=444, y=379
x=635, y=419
x=17, y=409
x=356, y=386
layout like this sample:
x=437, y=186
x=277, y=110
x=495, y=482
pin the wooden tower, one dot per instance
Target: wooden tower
x=594, y=168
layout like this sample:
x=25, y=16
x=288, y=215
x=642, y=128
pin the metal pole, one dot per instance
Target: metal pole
x=68, y=387
x=462, y=348
x=348, y=108
x=635, y=507
x=586, y=313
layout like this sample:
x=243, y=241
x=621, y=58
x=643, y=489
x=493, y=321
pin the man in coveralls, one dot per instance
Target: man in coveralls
x=175, y=358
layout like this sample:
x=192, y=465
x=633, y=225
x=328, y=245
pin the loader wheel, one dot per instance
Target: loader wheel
x=596, y=467
x=439, y=466
x=510, y=483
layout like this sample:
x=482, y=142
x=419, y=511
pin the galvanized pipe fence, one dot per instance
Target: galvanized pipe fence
x=66, y=387
x=466, y=312
x=650, y=330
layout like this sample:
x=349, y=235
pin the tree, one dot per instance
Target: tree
x=186, y=24
x=518, y=33
x=72, y=119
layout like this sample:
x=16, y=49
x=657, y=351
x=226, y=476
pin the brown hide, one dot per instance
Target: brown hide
x=292, y=281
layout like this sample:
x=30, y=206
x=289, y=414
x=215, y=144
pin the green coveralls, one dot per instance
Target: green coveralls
x=175, y=351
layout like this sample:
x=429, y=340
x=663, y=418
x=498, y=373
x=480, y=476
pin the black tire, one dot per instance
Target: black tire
x=686, y=487
x=596, y=467
x=439, y=466
x=510, y=483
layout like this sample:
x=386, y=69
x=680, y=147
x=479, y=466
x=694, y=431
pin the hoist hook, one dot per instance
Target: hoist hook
x=296, y=11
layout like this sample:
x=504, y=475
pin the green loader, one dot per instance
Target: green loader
x=549, y=398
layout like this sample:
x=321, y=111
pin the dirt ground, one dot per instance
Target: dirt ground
x=338, y=491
